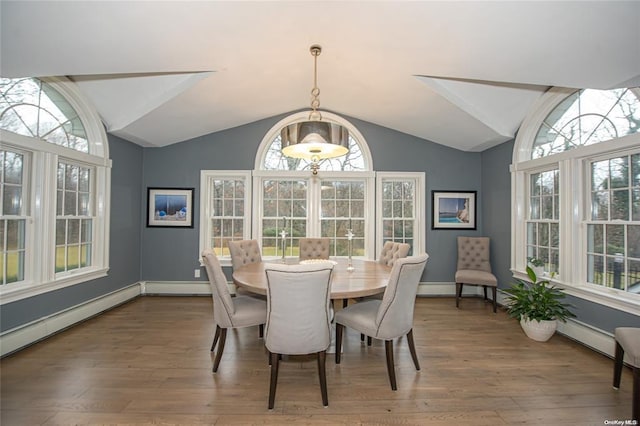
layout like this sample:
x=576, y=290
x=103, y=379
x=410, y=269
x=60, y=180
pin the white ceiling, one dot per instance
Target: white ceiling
x=462, y=74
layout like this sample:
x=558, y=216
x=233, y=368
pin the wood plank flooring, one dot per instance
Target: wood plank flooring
x=148, y=362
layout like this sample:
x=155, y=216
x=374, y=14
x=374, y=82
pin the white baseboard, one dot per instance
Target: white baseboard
x=27, y=334
x=20, y=337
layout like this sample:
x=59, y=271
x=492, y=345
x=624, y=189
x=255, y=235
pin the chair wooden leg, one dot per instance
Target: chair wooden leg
x=458, y=294
x=495, y=299
x=322, y=357
x=635, y=404
x=484, y=288
x=412, y=349
x=339, y=328
x=617, y=366
x=261, y=331
x=345, y=303
x=368, y=340
x=215, y=338
x=362, y=337
x=275, y=358
x=388, y=344
x=223, y=338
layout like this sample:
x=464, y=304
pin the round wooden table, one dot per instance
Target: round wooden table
x=369, y=277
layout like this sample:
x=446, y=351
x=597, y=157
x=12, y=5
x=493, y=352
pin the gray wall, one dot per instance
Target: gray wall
x=172, y=254
x=124, y=250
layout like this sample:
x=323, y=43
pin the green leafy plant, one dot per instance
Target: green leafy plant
x=537, y=300
x=534, y=261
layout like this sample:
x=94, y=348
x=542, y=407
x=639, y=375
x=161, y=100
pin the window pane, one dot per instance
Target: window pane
x=615, y=239
x=595, y=242
x=12, y=200
x=620, y=205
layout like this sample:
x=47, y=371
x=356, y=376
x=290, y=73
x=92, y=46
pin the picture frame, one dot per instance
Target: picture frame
x=170, y=207
x=454, y=210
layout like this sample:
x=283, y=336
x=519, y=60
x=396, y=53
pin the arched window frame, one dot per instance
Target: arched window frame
x=573, y=167
x=43, y=158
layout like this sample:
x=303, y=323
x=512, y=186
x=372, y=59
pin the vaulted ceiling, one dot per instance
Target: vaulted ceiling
x=462, y=74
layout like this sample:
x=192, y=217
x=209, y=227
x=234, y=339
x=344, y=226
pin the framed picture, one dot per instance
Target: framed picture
x=454, y=209
x=170, y=207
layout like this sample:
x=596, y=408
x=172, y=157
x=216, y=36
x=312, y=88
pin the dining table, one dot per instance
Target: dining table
x=365, y=278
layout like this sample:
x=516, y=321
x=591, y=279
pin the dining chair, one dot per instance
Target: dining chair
x=314, y=248
x=298, y=317
x=474, y=267
x=392, y=251
x=244, y=252
x=228, y=312
x=628, y=340
x=389, y=318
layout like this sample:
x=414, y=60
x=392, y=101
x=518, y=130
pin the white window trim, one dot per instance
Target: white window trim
x=40, y=276
x=573, y=168
x=419, y=230
x=206, y=179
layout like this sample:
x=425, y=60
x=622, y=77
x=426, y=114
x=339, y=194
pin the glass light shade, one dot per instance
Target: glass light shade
x=314, y=140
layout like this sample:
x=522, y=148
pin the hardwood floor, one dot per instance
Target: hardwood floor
x=148, y=362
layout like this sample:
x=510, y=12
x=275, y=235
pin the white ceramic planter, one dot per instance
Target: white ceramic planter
x=540, y=331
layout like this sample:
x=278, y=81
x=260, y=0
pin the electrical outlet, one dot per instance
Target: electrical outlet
x=196, y=273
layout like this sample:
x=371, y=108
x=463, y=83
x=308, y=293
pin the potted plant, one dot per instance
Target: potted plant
x=537, y=265
x=538, y=305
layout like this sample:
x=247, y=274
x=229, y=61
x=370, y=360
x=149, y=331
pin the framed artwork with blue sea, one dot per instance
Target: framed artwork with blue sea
x=453, y=209
x=170, y=207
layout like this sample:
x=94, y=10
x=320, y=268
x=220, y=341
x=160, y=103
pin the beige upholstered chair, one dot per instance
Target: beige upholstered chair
x=474, y=267
x=298, y=316
x=389, y=318
x=628, y=340
x=314, y=248
x=228, y=312
x=393, y=251
x=244, y=252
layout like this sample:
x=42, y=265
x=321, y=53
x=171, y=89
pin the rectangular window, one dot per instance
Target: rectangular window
x=401, y=209
x=13, y=196
x=225, y=210
x=613, y=231
x=74, y=220
x=284, y=208
x=543, y=224
x=343, y=207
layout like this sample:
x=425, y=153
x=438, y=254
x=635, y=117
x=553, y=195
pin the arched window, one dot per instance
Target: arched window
x=576, y=168
x=54, y=188
x=286, y=196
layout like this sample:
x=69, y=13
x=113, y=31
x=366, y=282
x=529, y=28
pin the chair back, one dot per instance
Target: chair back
x=244, y=252
x=392, y=251
x=314, y=248
x=223, y=307
x=395, y=314
x=298, y=308
x=473, y=253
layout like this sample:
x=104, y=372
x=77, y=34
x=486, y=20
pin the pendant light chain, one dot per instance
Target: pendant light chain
x=315, y=92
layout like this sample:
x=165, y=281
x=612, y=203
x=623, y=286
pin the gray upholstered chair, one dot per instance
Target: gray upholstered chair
x=628, y=340
x=298, y=316
x=244, y=252
x=389, y=318
x=314, y=248
x=474, y=267
x=392, y=251
x=228, y=312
